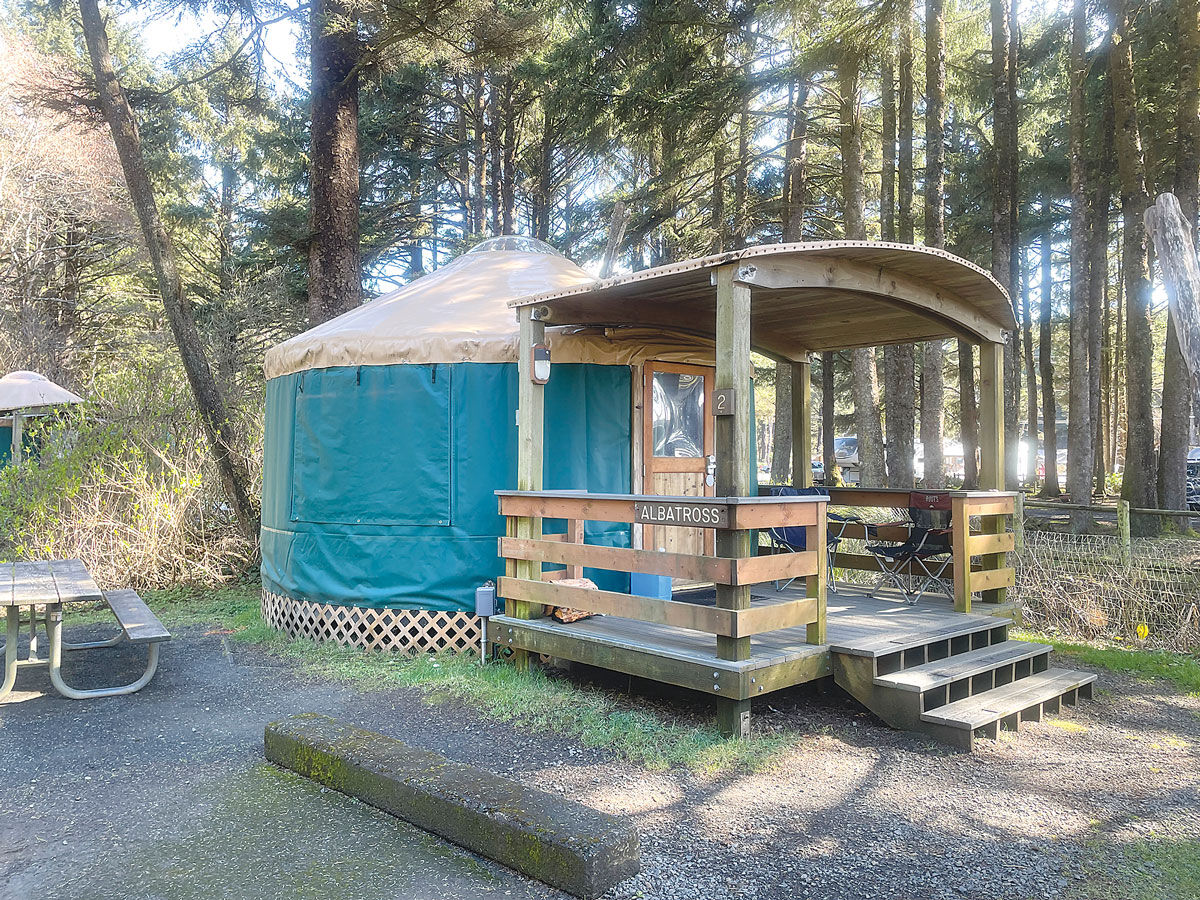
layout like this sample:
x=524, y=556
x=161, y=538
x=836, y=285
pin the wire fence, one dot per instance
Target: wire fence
x=1092, y=587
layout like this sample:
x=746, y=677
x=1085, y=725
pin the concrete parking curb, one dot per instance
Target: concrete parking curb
x=558, y=841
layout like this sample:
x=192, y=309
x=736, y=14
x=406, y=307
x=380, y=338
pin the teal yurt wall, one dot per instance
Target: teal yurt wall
x=390, y=428
x=379, y=481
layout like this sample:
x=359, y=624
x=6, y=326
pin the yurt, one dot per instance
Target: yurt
x=389, y=428
x=24, y=395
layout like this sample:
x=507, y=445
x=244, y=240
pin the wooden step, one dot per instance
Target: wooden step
x=1011, y=703
x=965, y=626
x=942, y=672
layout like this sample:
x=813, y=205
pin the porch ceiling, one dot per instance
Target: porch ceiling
x=805, y=297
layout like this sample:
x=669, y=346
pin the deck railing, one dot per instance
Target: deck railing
x=733, y=620
x=980, y=554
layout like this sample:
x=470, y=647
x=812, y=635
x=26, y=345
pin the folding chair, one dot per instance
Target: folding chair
x=793, y=538
x=926, y=549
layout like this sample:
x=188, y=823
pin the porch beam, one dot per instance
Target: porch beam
x=827, y=273
x=801, y=423
x=733, y=464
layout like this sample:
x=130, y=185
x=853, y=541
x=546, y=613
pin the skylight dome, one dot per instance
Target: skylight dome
x=514, y=243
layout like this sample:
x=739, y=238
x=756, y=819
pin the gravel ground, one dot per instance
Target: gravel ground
x=165, y=795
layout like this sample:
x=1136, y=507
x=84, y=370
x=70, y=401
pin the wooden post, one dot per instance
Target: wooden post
x=1123, y=533
x=574, y=535
x=991, y=416
x=960, y=545
x=18, y=438
x=1019, y=521
x=733, y=465
x=818, y=585
x=531, y=399
x=801, y=423
x=991, y=447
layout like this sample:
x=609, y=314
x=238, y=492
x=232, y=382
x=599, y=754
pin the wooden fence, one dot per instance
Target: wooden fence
x=733, y=620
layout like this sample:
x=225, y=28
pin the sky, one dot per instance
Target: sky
x=165, y=34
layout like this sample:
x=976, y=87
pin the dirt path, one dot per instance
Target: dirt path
x=165, y=795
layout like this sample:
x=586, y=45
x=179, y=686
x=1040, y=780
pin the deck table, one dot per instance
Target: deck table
x=51, y=585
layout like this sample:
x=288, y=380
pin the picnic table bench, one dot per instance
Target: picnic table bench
x=52, y=584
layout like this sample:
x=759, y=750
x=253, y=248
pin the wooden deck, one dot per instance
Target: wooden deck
x=857, y=625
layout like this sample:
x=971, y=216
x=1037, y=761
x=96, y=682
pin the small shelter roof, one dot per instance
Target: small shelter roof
x=806, y=297
x=28, y=390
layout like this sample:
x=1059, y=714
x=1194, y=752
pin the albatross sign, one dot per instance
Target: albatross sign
x=692, y=515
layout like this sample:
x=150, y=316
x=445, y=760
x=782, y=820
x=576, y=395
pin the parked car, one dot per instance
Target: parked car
x=845, y=451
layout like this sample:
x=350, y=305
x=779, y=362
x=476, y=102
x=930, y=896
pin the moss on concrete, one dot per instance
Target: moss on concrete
x=554, y=840
x=269, y=832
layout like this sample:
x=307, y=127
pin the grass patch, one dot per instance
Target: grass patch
x=1180, y=669
x=530, y=700
x=1149, y=869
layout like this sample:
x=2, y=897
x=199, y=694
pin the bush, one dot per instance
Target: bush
x=135, y=500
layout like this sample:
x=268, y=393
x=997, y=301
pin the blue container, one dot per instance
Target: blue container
x=657, y=586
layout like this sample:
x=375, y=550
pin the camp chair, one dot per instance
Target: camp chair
x=926, y=549
x=792, y=538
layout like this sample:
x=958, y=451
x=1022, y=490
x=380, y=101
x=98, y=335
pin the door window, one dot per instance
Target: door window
x=677, y=411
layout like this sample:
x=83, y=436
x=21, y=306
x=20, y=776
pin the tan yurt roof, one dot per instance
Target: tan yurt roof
x=460, y=313
x=29, y=390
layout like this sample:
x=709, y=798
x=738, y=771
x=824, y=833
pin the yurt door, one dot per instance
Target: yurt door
x=678, y=442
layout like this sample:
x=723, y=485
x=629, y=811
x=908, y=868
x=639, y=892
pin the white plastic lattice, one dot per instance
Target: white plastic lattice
x=410, y=631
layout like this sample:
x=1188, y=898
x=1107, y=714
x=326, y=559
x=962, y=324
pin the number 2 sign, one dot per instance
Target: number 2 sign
x=723, y=401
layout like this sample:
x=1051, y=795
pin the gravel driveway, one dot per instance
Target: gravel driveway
x=165, y=795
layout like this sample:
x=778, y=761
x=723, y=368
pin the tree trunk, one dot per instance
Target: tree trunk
x=334, y=263
x=1174, y=423
x=479, y=157
x=1172, y=238
x=899, y=402
x=795, y=174
x=1177, y=399
x=932, y=387
x=1079, y=417
x=781, y=436
x=1003, y=238
x=742, y=175
x=968, y=414
x=905, y=225
x=1031, y=388
x=218, y=427
x=1051, y=486
x=508, y=168
x=494, y=152
x=1100, y=313
x=1138, y=483
x=851, y=133
x=863, y=375
x=1187, y=145
x=828, y=415
x=1080, y=430
x=865, y=385
x=887, y=175
x=226, y=337
x=717, y=207
x=932, y=407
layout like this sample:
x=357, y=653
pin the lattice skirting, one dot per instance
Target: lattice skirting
x=410, y=631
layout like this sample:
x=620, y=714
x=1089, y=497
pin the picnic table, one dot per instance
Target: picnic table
x=48, y=586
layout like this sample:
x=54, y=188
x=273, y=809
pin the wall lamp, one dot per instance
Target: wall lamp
x=539, y=371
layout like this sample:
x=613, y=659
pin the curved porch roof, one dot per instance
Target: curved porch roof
x=805, y=297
